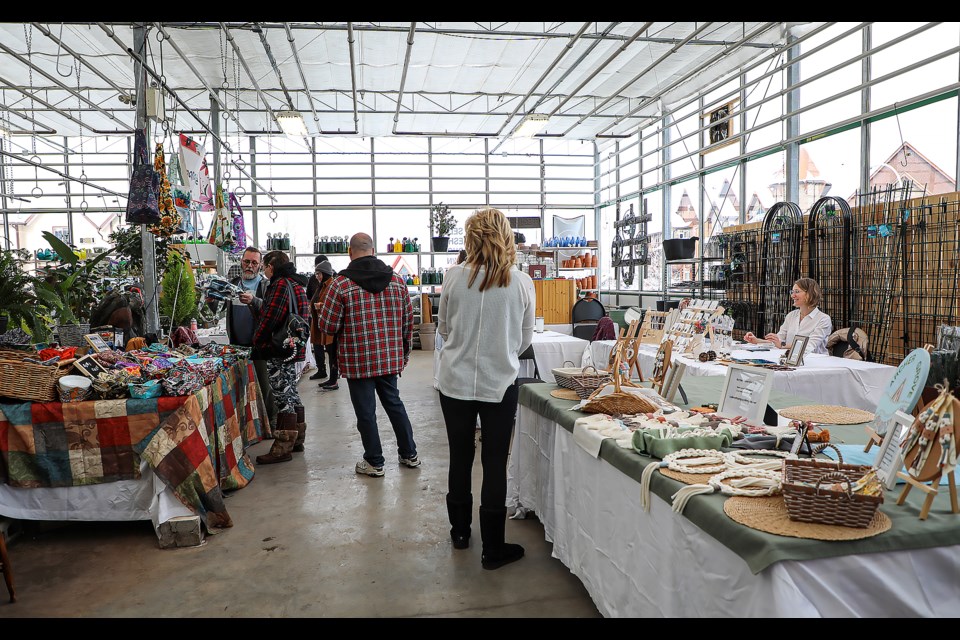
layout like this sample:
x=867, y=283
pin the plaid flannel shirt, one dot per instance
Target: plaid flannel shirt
x=375, y=329
x=273, y=314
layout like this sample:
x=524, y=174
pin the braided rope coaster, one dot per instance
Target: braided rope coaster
x=769, y=514
x=686, y=478
x=826, y=413
x=565, y=394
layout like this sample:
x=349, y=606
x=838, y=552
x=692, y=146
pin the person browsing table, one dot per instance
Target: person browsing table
x=805, y=320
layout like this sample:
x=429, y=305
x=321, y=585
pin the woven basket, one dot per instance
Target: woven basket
x=824, y=506
x=562, y=375
x=618, y=402
x=7, y=353
x=71, y=335
x=586, y=383
x=34, y=382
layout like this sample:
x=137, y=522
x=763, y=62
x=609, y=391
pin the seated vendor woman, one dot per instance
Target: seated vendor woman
x=805, y=320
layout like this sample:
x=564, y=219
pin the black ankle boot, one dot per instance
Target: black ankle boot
x=496, y=552
x=460, y=513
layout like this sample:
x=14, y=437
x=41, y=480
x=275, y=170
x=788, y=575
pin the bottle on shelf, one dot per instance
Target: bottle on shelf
x=396, y=246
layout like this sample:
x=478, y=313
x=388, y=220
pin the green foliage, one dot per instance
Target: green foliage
x=69, y=291
x=178, y=284
x=17, y=299
x=129, y=246
x=442, y=221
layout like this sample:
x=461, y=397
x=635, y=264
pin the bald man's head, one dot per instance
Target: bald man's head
x=361, y=244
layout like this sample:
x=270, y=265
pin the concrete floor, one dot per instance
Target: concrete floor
x=311, y=538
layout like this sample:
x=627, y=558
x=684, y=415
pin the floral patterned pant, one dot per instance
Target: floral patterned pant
x=283, y=383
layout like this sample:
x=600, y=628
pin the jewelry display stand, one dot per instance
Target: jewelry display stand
x=902, y=393
x=928, y=478
x=628, y=343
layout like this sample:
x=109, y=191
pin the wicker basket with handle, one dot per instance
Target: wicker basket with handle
x=33, y=382
x=585, y=383
x=618, y=402
x=808, y=501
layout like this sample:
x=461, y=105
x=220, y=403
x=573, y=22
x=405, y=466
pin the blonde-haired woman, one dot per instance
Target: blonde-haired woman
x=805, y=320
x=486, y=319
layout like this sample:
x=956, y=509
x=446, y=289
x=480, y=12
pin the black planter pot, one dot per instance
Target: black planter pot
x=439, y=244
x=679, y=248
x=4, y=320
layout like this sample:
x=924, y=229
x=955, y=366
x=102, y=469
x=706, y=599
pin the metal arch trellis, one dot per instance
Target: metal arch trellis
x=829, y=257
x=781, y=236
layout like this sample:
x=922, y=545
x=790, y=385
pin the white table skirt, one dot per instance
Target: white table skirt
x=550, y=348
x=823, y=379
x=145, y=499
x=659, y=564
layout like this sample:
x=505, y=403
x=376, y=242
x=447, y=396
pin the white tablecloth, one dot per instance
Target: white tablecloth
x=145, y=499
x=822, y=379
x=550, y=348
x=659, y=564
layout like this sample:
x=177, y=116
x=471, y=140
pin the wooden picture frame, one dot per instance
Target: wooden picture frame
x=88, y=366
x=537, y=271
x=746, y=391
x=720, y=126
x=794, y=355
x=889, y=457
x=96, y=342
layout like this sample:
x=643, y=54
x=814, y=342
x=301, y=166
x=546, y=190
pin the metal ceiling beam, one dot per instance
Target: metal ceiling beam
x=246, y=67
x=139, y=60
x=273, y=63
x=48, y=131
x=610, y=58
x=712, y=59
x=303, y=76
x=59, y=173
x=646, y=70
x=13, y=53
x=186, y=59
x=6, y=83
x=319, y=26
x=353, y=78
x=78, y=57
x=403, y=77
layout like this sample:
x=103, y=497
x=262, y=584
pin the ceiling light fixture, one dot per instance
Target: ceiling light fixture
x=292, y=124
x=531, y=125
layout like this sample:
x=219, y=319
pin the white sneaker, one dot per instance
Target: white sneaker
x=410, y=462
x=367, y=469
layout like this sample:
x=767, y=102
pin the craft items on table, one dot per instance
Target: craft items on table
x=828, y=414
x=770, y=515
x=902, y=394
x=828, y=492
x=745, y=481
x=930, y=450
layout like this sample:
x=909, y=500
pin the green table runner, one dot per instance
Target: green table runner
x=758, y=549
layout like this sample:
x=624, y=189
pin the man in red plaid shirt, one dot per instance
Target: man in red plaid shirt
x=368, y=307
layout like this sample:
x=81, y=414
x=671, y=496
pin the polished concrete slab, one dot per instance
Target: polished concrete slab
x=311, y=538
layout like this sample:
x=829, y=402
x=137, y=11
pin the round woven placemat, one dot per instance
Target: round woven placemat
x=830, y=414
x=565, y=394
x=687, y=478
x=770, y=515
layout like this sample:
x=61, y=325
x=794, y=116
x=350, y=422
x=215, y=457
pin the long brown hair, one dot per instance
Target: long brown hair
x=489, y=243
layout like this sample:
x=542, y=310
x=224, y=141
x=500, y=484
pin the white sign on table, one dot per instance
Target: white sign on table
x=745, y=393
x=890, y=458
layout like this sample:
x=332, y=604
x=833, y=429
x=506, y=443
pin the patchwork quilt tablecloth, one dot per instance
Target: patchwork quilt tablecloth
x=196, y=444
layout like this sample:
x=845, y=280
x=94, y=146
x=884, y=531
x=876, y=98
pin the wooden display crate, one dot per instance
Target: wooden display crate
x=555, y=299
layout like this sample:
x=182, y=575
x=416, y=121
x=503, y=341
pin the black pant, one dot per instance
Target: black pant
x=331, y=350
x=496, y=427
x=318, y=356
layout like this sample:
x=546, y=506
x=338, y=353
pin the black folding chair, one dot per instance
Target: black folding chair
x=528, y=355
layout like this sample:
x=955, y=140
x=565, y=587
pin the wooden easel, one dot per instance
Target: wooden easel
x=661, y=365
x=628, y=346
x=876, y=439
x=654, y=324
x=928, y=480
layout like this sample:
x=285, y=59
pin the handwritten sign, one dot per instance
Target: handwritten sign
x=890, y=457
x=745, y=393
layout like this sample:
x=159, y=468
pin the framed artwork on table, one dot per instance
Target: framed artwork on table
x=794, y=356
x=745, y=393
x=890, y=457
x=96, y=342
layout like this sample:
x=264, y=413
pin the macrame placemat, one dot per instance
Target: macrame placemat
x=770, y=515
x=565, y=394
x=826, y=413
x=686, y=478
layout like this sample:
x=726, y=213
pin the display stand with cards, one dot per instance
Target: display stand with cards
x=902, y=394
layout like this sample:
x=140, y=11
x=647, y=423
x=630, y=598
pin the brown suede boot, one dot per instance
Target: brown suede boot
x=283, y=441
x=301, y=430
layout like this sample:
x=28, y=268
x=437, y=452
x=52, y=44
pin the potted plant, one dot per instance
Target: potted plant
x=442, y=223
x=178, y=296
x=17, y=300
x=69, y=291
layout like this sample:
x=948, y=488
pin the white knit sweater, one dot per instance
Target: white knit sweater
x=483, y=334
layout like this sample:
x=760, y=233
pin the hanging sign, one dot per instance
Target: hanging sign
x=191, y=161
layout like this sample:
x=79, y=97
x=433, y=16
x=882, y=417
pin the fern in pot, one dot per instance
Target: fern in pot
x=18, y=303
x=70, y=291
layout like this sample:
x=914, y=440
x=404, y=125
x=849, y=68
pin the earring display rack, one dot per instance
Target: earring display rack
x=779, y=263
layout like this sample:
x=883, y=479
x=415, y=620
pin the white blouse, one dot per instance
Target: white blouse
x=817, y=325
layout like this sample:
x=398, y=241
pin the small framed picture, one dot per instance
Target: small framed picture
x=890, y=457
x=537, y=271
x=96, y=342
x=794, y=357
x=745, y=393
x=88, y=366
